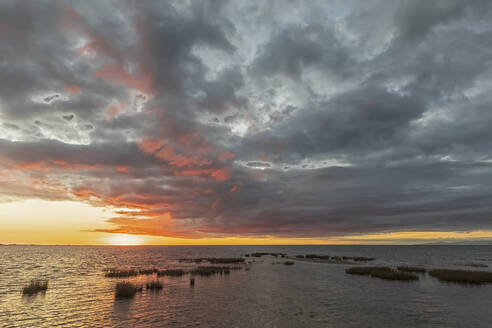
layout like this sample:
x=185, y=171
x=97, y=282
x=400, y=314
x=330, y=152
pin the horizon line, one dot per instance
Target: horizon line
x=182, y=245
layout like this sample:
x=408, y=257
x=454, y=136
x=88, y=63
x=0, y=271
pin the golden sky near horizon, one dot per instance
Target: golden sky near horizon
x=70, y=223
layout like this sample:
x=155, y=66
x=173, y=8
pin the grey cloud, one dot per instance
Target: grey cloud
x=294, y=48
x=396, y=90
x=258, y=164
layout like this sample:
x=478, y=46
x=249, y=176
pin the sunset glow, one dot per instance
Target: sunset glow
x=124, y=240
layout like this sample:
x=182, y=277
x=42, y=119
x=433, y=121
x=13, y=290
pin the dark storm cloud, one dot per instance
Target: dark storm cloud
x=296, y=47
x=356, y=123
x=251, y=118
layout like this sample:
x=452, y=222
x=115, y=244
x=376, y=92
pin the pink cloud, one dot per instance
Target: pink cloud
x=73, y=89
x=150, y=145
x=114, y=110
x=116, y=73
x=226, y=156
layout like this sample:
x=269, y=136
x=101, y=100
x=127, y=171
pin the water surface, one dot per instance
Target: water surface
x=269, y=295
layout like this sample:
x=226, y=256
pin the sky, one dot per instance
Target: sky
x=245, y=122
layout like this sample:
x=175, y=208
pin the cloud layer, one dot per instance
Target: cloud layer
x=251, y=118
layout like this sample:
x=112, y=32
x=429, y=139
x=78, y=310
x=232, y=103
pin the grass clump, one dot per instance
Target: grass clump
x=154, y=285
x=289, y=263
x=125, y=290
x=391, y=274
x=382, y=273
x=171, y=272
x=476, y=265
x=215, y=260
x=148, y=271
x=462, y=276
x=226, y=260
x=36, y=286
x=211, y=270
x=260, y=254
x=411, y=269
x=115, y=273
x=208, y=270
x=197, y=260
x=336, y=258
x=363, y=259
x=326, y=257
x=361, y=270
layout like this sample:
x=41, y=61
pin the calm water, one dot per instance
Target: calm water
x=303, y=295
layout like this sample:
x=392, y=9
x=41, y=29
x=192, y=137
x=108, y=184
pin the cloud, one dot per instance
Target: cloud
x=220, y=118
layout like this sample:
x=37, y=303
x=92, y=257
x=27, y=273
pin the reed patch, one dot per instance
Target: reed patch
x=411, y=269
x=382, y=273
x=125, y=290
x=462, y=276
x=35, y=286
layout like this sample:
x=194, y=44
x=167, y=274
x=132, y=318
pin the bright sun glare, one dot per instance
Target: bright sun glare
x=124, y=240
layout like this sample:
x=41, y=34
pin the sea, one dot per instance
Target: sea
x=267, y=294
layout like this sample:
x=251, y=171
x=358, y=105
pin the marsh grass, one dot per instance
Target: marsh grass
x=391, y=274
x=260, y=254
x=476, y=265
x=207, y=270
x=126, y=289
x=462, y=276
x=36, y=286
x=363, y=259
x=215, y=260
x=411, y=269
x=226, y=260
x=211, y=270
x=336, y=258
x=154, y=285
x=148, y=271
x=171, y=272
x=116, y=273
x=382, y=273
x=314, y=256
x=360, y=270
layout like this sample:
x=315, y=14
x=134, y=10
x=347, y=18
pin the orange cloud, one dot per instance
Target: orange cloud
x=116, y=73
x=218, y=174
x=114, y=110
x=169, y=155
x=226, y=156
x=162, y=226
x=150, y=145
x=40, y=166
x=122, y=168
x=221, y=174
x=75, y=166
x=73, y=89
x=71, y=19
x=196, y=143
